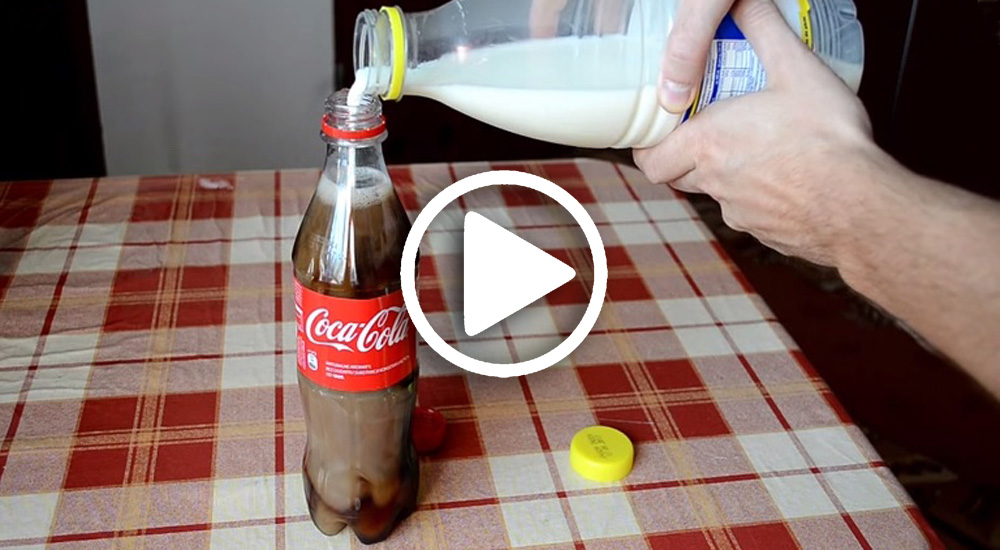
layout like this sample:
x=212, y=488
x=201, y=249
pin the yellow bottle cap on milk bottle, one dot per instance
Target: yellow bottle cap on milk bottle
x=600, y=453
x=398, y=31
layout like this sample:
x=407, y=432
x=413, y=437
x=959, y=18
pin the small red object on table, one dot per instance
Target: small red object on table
x=428, y=430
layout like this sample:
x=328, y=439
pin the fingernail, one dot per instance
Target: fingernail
x=674, y=96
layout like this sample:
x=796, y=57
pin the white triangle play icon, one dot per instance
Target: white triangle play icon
x=504, y=273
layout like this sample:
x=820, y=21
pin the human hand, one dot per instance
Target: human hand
x=605, y=16
x=544, y=17
x=785, y=163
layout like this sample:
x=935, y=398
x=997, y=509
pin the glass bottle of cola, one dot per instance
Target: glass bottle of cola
x=356, y=348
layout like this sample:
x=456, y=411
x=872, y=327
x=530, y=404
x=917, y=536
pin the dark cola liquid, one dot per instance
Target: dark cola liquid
x=360, y=468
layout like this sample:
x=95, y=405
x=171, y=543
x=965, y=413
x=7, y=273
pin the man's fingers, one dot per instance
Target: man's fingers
x=687, y=51
x=544, y=17
x=688, y=183
x=609, y=17
x=779, y=48
x=673, y=159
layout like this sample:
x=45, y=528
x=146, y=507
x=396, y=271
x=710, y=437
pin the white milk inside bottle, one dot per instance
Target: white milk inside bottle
x=593, y=81
x=517, y=90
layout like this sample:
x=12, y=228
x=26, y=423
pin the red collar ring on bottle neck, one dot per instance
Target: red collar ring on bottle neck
x=339, y=133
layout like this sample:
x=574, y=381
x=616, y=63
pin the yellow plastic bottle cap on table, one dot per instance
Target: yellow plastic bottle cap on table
x=600, y=453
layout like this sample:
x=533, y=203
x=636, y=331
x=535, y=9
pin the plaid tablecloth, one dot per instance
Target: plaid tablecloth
x=148, y=398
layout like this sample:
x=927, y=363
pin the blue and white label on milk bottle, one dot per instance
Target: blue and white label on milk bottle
x=733, y=68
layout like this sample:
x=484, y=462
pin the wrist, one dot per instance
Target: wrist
x=874, y=200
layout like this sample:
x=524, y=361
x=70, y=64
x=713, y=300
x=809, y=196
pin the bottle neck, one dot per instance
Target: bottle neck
x=353, y=166
x=385, y=46
x=354, y=134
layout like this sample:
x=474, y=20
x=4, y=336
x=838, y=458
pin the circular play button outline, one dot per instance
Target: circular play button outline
x=436, y=206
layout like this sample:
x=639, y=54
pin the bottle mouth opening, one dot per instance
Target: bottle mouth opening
x=352, y=122
x=380, y=50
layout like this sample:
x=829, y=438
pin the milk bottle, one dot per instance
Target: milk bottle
x=575, y=72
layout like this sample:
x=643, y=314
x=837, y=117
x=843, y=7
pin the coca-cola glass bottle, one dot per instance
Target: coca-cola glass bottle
x=356, y=348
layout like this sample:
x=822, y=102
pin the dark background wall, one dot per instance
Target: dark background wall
x=48, y=101
x=947, y=120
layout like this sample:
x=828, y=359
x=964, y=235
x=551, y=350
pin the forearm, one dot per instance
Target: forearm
x=929, y=254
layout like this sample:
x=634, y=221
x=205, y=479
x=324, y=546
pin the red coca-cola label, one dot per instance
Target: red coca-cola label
x=354, y=345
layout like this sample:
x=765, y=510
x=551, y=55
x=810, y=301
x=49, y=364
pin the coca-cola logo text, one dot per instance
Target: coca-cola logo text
x=381, y=331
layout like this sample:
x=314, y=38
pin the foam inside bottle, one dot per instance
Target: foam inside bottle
x=369, y=187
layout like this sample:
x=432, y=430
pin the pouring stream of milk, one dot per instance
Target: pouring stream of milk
x=359, y=89
x=355, y=95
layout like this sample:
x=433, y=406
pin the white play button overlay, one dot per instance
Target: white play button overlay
x=504, y=273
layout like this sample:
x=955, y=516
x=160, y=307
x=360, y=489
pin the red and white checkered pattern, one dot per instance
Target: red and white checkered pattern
x=148, y=398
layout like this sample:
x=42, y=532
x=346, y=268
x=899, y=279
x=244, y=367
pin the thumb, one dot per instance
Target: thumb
x=780, y=50
x=687, y=51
